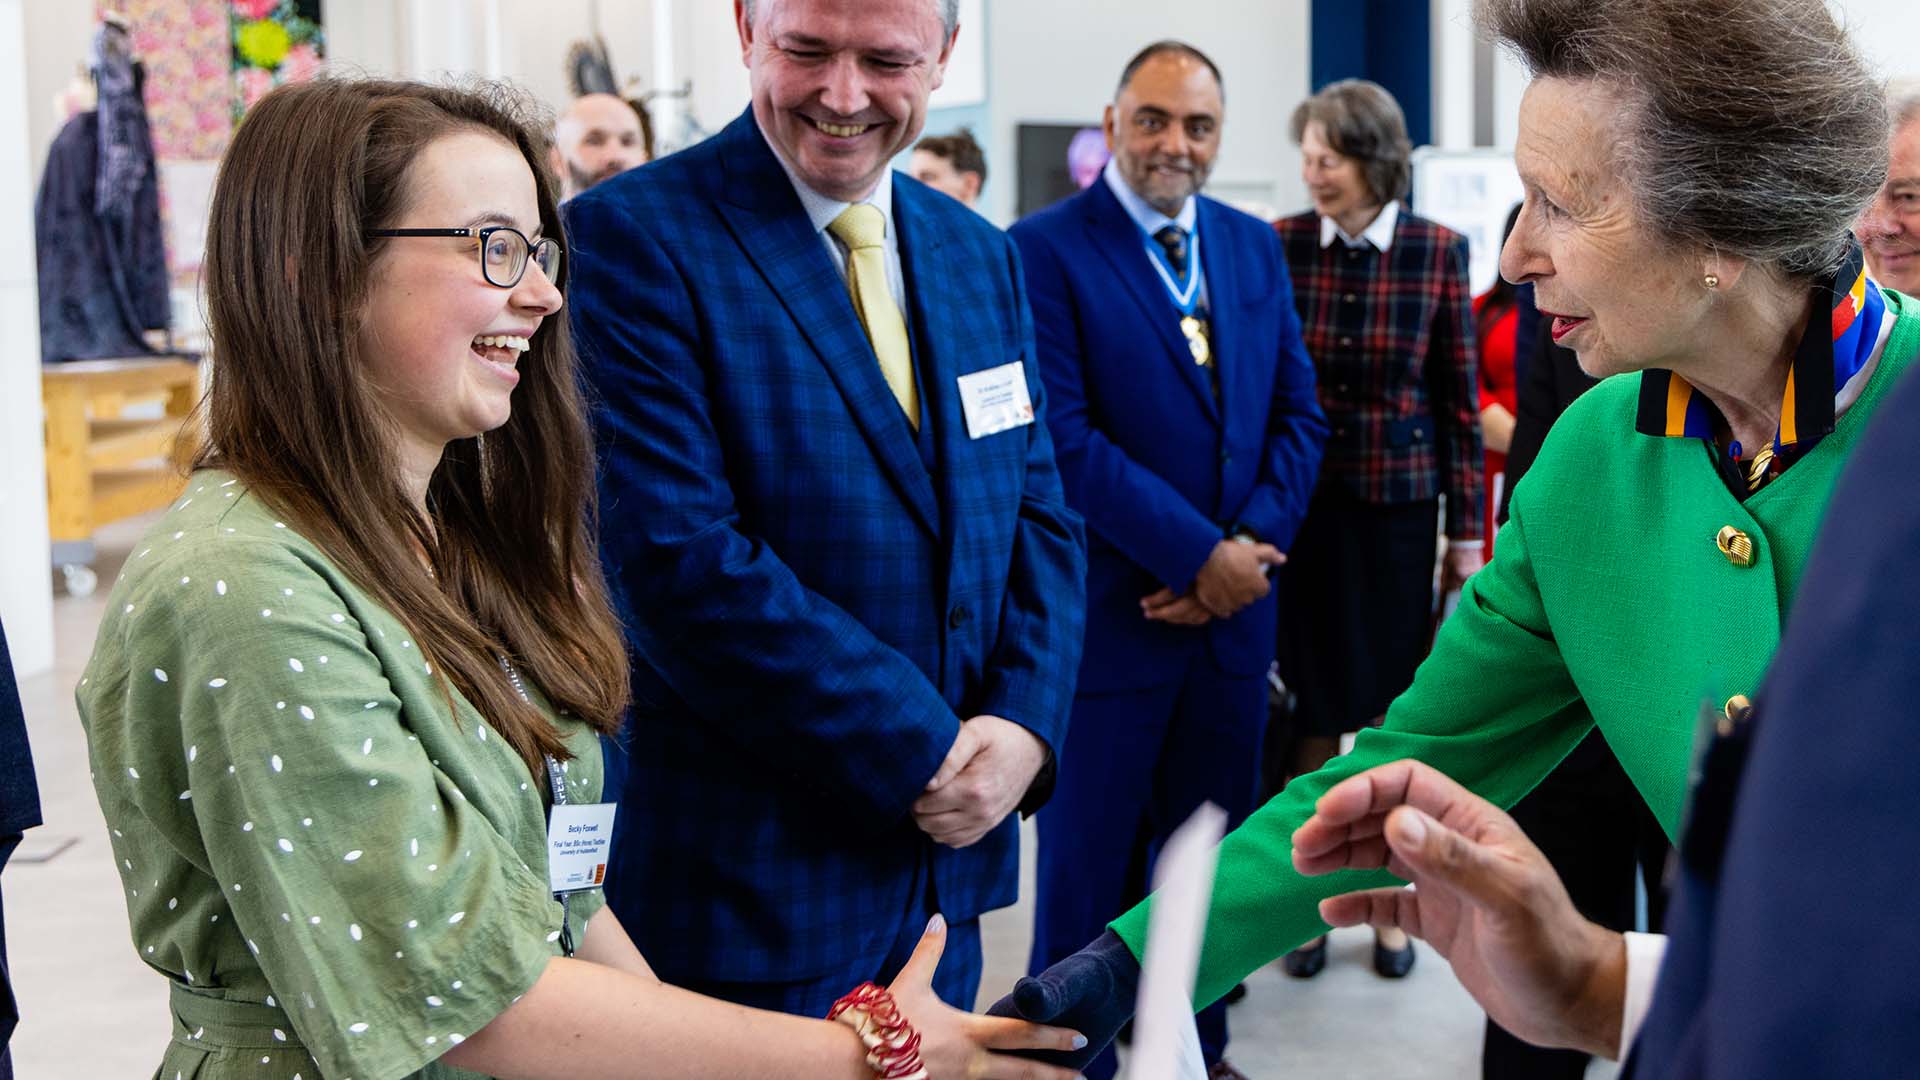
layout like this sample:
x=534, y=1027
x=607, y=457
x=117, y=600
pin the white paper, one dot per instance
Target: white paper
x=996, y=399
x=1166, y=1044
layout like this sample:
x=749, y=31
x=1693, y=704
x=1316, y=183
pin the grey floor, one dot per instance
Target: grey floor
x=91, y=1009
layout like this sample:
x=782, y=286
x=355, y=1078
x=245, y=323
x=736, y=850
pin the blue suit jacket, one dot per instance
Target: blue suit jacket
x=1792, y=949
x=811, y=602
x=1160, y=469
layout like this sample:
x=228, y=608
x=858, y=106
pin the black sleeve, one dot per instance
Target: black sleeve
x=1536, y=413
x=1552, y=382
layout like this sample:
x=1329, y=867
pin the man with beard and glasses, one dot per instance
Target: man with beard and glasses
x=1890, y=231
x=832, y=524
x=1182, y=406
x=596, y=139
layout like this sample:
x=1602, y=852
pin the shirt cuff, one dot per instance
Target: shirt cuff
x=1466, y=545
x=1644, y=953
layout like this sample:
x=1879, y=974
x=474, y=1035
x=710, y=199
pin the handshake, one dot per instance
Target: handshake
x=1236, y=574
x=1484, y=897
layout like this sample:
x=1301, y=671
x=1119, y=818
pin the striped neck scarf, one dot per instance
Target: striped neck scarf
x=1829, y=367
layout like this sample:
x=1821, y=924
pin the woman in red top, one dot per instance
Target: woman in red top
x=1496, y=320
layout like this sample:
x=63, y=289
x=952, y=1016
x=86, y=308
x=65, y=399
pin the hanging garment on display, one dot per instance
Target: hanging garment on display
x=102, y=254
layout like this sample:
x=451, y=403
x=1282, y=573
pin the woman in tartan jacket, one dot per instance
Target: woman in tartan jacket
x=1386, y=312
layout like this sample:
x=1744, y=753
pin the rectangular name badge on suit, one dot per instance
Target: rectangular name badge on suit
x=996, y=400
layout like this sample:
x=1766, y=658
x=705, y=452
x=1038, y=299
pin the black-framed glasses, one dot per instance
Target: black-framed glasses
x=504, y=252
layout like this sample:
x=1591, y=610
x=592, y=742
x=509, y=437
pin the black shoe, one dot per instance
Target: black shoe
x=1306, y=961
x=1392, y=963
x=1235, y=995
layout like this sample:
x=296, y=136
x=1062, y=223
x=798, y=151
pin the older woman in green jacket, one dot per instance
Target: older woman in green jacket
x=1692, y=168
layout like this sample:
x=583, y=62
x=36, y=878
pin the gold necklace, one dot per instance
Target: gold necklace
x=1757, y=469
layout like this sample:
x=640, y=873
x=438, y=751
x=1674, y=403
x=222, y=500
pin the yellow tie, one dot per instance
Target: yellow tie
x=864, y=229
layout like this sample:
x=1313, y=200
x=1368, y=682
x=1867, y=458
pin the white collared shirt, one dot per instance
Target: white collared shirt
x=822, y=210
x=1151, y=220
x=1379, y=234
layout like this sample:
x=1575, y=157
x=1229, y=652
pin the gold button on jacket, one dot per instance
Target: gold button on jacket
x=1735, y=545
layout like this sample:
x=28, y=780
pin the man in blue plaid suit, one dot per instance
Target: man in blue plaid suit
x=854, y=594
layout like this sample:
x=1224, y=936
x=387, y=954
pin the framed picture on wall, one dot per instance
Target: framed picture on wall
x=274, y=42
x=1054, y=161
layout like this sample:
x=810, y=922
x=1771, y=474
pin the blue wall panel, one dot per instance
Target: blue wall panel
x=1387, y=41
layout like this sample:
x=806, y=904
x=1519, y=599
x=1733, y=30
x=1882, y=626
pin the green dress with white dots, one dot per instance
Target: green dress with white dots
x=341, y=876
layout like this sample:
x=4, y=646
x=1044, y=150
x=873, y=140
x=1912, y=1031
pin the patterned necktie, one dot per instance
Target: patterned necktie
x=864, y=229
x=1174, y=239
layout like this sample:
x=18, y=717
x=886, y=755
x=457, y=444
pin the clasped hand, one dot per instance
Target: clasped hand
x=1234, y=575
x=985, y=775
x=1483, y=896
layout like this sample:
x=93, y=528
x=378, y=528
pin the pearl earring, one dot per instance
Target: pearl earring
x=1712, y=281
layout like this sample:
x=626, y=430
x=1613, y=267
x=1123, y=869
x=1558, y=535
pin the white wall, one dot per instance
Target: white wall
x=1887, y=31
x=1057, y=63
x=26, y=594
x=520, y=40
x=708, y=54
x=57, y=36
x=1452, y=50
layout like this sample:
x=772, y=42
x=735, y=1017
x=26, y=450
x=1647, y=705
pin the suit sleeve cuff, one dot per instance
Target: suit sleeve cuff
x=1041, y=789
x=1644, y=953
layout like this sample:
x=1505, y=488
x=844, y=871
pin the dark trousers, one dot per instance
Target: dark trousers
x=1596, y=830
x=1136, y=764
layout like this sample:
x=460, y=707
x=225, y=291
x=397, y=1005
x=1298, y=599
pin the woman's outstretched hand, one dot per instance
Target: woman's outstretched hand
x=1482, y=895
x=958, y=1045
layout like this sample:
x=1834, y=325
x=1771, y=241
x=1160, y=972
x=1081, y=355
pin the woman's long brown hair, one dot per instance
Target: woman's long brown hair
x=511, y=519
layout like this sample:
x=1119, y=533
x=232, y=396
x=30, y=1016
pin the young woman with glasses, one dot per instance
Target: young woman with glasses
x=349, y=689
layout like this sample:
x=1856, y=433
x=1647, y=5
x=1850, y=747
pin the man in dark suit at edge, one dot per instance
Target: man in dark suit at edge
x=1183, y=409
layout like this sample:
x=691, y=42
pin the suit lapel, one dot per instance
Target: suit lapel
x=1222, y=265
x=1117, y=238
x=771, y=227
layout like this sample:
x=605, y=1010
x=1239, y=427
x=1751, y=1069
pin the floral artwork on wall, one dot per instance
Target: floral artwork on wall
x=186, y=46
x=274, y=41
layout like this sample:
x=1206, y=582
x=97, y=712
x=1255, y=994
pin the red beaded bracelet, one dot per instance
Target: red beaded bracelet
x=893, y=1047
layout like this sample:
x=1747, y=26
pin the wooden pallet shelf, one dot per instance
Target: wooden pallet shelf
x=103, y=466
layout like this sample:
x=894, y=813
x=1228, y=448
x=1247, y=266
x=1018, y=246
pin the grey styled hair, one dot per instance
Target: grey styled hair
x=1903, y=102
x=1365, y=123
x=1752, y=127
x=949, y=13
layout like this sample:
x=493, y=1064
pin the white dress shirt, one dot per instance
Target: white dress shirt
x=1152, y=221
x=822, y=210
x=1379, y=234
x=1644, y=953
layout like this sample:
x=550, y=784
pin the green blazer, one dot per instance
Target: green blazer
x=1608, y=602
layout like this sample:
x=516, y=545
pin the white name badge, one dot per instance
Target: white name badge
x=579, y=837
x=996, y=399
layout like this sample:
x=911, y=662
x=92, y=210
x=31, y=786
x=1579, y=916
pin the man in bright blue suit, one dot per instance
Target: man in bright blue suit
x=1183, y=409
x=832, y=521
